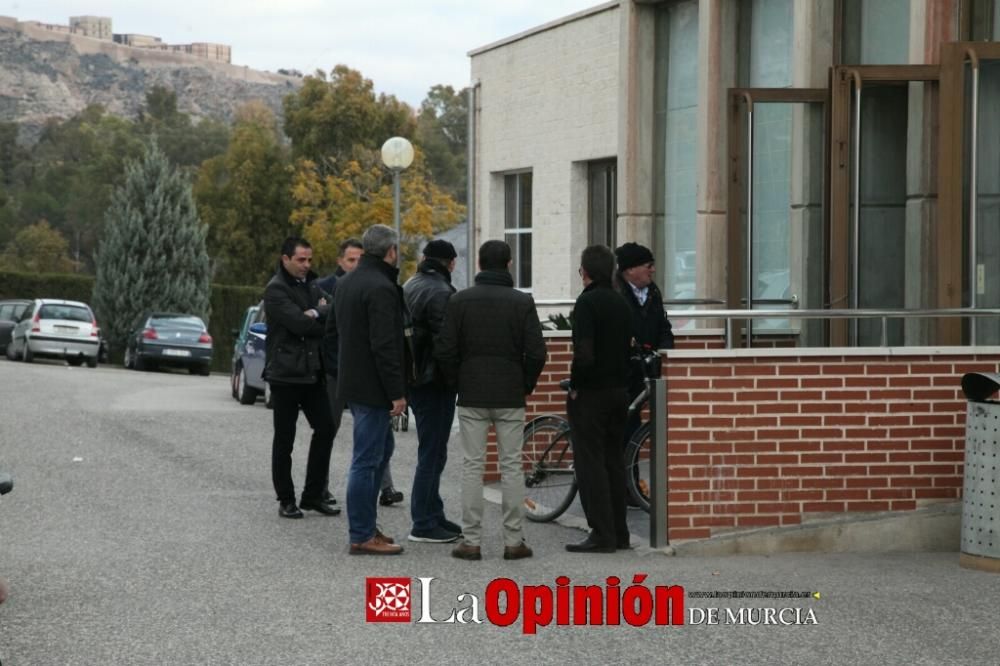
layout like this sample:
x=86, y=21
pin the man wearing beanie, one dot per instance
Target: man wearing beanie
x=432, y=402
x=650, y=328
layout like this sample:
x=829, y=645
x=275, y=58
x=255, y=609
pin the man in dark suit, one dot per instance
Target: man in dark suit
x=293, y=368
x=597, y=404
x=367, y=322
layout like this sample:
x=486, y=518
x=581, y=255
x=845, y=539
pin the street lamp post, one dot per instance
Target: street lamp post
x=397, y=154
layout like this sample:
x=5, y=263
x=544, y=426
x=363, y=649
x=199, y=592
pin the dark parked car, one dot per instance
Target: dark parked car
x=169, y=339
x=248, y=357
x=11, y=312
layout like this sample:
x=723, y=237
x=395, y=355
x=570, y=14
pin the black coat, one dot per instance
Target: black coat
x=602, y=335
x=650, y=327
x=366, y=324
x=427, y=294
x=292, y=347
x=491, y=348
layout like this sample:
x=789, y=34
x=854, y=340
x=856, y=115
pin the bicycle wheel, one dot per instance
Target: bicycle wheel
x=638, y=470
x=547, y=461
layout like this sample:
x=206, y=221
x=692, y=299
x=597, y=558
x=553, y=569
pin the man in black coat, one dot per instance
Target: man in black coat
x=491, y=349
x=295, y=309
x=367, y=318
x=597, y=404
x=432, y=402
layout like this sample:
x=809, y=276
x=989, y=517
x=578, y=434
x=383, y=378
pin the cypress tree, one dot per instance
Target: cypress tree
x=153, y=255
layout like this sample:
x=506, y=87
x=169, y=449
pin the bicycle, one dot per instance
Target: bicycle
x=547, y=455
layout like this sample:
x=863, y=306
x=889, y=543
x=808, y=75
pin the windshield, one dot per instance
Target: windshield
x=67, y=312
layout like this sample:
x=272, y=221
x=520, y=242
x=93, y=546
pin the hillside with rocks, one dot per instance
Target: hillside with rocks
x=43, y=78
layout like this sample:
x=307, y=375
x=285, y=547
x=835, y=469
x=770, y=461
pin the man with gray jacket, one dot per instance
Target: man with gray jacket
x=491, y=349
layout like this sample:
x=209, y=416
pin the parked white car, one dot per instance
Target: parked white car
x=54, y=328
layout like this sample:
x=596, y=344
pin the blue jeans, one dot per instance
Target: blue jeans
x=373, y=446
x=434, y=410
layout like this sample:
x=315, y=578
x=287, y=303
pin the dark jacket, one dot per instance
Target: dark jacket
x=366, y=324
x=649, y=322
x=292, y=347
x=602, y=335
x=491, y=348
x=427, y=294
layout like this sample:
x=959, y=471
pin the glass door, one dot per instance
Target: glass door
x=777, y=221
x=968, y=237
x=878, y=147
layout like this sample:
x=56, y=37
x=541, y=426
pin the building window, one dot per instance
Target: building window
x=517, y=225
x=876, y=32
x=603, y=203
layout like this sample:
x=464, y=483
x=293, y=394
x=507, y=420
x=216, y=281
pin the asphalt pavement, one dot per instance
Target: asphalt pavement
x=143, y=529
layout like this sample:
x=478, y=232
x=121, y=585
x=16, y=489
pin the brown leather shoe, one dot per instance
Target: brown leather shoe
x=518, y=552
x=375, y=547
x=466, y=551
x=382, y=538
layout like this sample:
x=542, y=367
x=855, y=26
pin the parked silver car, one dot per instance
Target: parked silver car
x=56, y=328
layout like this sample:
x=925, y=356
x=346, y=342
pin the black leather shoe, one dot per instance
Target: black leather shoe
x=390, y=496
x=319, y=506
x=289, y=510
x=588, y=545
x=329, y=498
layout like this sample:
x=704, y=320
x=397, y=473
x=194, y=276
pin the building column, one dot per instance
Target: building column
x=717, y=67
x=636, y=123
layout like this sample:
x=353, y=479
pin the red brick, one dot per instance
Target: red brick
x=712, y=422
x=801, y=396
x=823, y=507
x=853, y=494
x=777, y=383
x=780, y=408
x=778, y=507
x=754, y=370
x=689, y=509
x=933, y=419
x=844, y=369
x=678, y=423
x=909, y=456
x=802, y=495
x=821, y=408
x=934, y=470
x=793, y=421
x=893, y=493
x=759, y=396
x=912, y=482
x=888, y=445
x=933, y=444
x=744, y=507
x=745, y=459
x=778, y=433
x=843, y=446
x=846, y=470
x=678, y=521
x=736, y=409
x=711, y=447
x=801, y=470
x=822, y=458
x=798, y=446
x=756, y=422
x=947, y=406
x=785, y=483
x=825, y=482
x=757, y=447
x=711, y=371
x=868, y=506
x=779, y=459
x=909, y=407
x=678, y=534
x=799, y=370
x=866, y=482
x=949, y=456
x=931, y=369
x=688, y=409
x=713, y=521
x=690, y=460
x=949, y=482
x=689, y=385
x=887, y=369
x=936, y=394
x=949, y=431
x=791, y=520
x=903, y=505
x=756, y=471
x=691, y=435
x=844, y=420
x=895, y=420
x=734, y=435
x=889, y=470
x=679, y=497
x=865, y=457
x=822, y=433
x=866, y=382
x=759, y=496
x=687, y=484
x=717, y=397
x=758, y=521
x=821, y=382
x=865, y=407
x=890, y=394
x=846, y=395
x=675, y=370
x=865, y=433
x=936, y=493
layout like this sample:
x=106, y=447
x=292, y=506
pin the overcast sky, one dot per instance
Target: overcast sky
x=404, y=46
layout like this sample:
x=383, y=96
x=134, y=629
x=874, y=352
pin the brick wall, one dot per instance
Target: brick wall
x=769, y=437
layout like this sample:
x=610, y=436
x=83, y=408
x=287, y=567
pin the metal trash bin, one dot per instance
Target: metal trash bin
x=981, y=489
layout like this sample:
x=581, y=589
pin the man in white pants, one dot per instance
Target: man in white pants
x=491, y=350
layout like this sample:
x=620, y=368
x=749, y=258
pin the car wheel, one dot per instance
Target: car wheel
x=91, y=361
x=10, y=352
x=204, y=370
x=138, y=362
x=233, y=377
x=26, y=354
x=75, y=361
x=247, y=394
x=129, y=361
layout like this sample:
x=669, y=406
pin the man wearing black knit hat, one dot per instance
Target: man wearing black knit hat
x=432, y=402
x=650, y=328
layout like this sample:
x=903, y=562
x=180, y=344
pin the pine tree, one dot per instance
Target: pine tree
x=153, y=255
